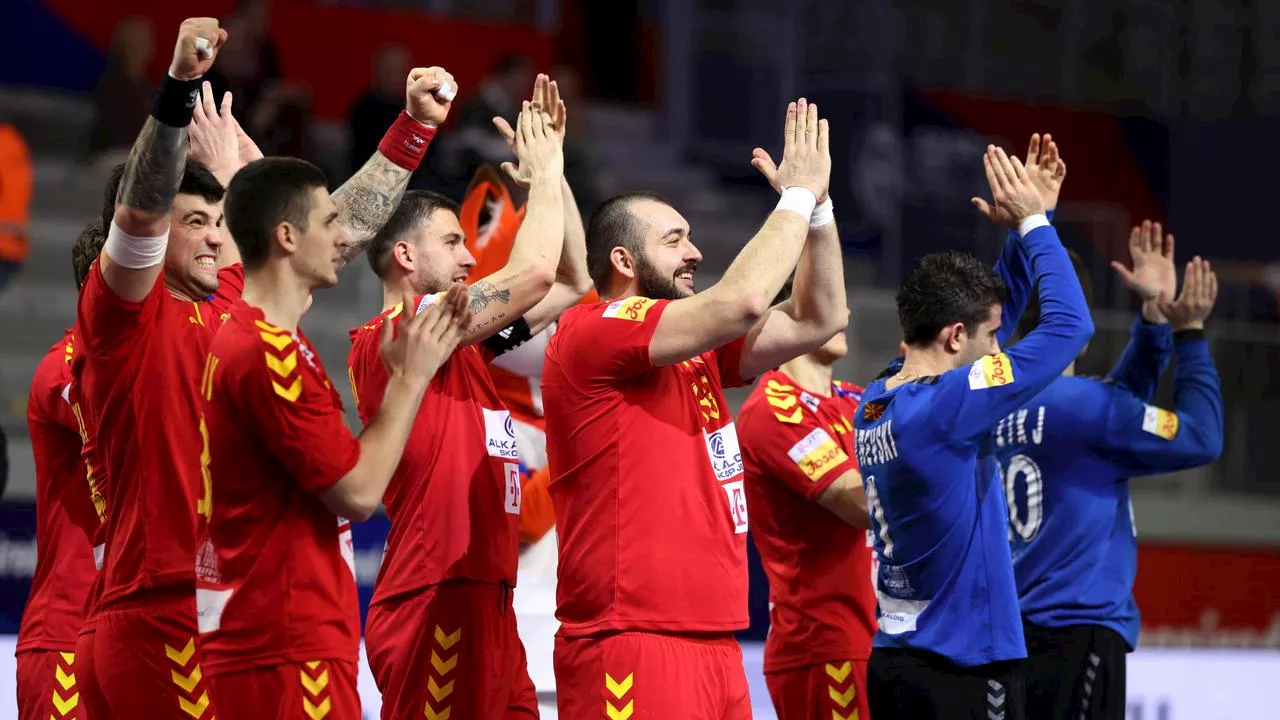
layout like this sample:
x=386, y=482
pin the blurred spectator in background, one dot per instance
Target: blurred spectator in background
x=380, y=105
x=474, y=141
x=273, y=111
x=15, y=201
x=581, y=165
x=122, y=97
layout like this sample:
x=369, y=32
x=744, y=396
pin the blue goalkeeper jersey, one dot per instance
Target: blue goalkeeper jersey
x=945, y=581
x=1066, y=458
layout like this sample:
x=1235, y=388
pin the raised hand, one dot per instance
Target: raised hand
x=1199, y=292
x=546, y=95
x=426, y=339
x=195, y=35
x=806, y=152
x=1153, y=277
x=537, y=146
x=1015, y=196
x=421, y=99
x=1046, y=169
x=215, y=139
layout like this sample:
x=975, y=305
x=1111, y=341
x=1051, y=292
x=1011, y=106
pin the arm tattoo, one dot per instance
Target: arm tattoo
x=366, y=201
x=155, y=167
x=484, y=294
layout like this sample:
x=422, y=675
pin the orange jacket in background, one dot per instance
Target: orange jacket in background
x=16, y=180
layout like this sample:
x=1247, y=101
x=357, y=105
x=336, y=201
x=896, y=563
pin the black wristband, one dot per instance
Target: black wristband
x=509, y=338
x=1188, y=334
x=175, y=101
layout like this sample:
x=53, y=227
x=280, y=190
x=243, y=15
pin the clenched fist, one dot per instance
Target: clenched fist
x=188, y=62
x=421, y=99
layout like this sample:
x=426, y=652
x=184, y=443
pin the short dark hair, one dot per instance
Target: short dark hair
x=264, y=194
x=196, y=180
x=945, y=288
x=1031, y=315
x=86, y=249
x=614, y=225
x=413, y=211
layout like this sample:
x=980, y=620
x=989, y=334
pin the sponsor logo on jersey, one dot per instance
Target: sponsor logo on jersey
x=1161, y=422
x=809, y=401
x=816, y=454
x=632, y=308
x=500, y=434
x=991, y=371
x=724, y=453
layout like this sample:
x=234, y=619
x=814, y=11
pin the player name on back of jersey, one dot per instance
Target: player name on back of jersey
x=875, y=446
x=1015, y=429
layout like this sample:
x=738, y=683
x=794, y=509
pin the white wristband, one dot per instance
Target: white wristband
x=823, y=214
x=798, y=200
x=132, y=252
x=1032, y=222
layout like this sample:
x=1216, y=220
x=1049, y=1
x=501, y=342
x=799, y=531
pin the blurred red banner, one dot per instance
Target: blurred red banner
x=1208, y=597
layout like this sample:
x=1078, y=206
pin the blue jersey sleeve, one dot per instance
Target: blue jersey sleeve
x=971, y=400
x=1142, y=439
x=1144, y=359
x=1014, y=268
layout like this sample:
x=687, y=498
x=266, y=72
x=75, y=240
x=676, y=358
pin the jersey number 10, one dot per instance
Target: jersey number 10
x=1025, y=470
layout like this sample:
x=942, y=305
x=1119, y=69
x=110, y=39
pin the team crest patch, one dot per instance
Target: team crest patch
x=991, y=371
x=872, y=411
x=1160, y=422
x=632, y=308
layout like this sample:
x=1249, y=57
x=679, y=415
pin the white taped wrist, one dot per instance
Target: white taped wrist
x=824, y=214
x=797, y=200
x=132, y=252
x=1031, y=223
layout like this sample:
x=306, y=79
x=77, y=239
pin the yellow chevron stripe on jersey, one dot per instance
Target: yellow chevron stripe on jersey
x=290, y=393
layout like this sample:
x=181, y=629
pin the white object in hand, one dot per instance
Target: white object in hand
x=203, y=48
x=446, y=92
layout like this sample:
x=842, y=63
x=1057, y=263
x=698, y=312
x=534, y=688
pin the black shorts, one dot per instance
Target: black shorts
x=911, y=684
x=1075, y=672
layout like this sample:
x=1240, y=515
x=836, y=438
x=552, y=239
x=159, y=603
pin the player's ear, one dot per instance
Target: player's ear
x=623, y=262
x=953, y=337
x=403, y=254
x=286, y=236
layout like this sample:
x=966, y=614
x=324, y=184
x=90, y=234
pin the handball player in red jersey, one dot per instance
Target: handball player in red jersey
x=647, y=476
x=144, y=325
x=809, y=516
x=441, y=634
x=65, y=522
x=279, y=602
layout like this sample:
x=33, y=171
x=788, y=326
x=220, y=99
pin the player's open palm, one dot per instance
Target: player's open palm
x=806, y=152
x=538, y=147
x=1199, y=292
x=1014, y=196
x=425, y=339
x=1045, y=168
x=212, y=137
x=198, y=42
x=1153, y=276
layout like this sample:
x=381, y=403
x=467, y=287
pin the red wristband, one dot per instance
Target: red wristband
x=406, y=141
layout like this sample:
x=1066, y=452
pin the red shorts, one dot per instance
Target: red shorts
x=649, y=675
x=144, y=663
x=47, y=686
x=835, y=690
x=450, y=650
x=293, y=691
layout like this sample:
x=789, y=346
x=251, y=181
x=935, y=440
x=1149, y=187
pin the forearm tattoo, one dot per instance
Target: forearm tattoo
x=154, y=170
x=366, y=201
x=484, y=294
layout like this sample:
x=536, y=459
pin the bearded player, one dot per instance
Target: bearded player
x=440, y=634
x=65, y=522
x=282, y=620
x=647, y=477
x=143, y=306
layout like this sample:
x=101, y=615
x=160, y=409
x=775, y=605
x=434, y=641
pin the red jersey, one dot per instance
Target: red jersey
x=140, y=381
x=282, y=588
x=646, y=477
x=454, y=500
x=65, y=518
x=795, y=445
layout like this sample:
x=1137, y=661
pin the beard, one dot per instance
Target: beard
x=653, y=284
x=424, y=282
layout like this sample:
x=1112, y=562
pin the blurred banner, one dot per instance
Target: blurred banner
x=327, y=47
x=1189, y=596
